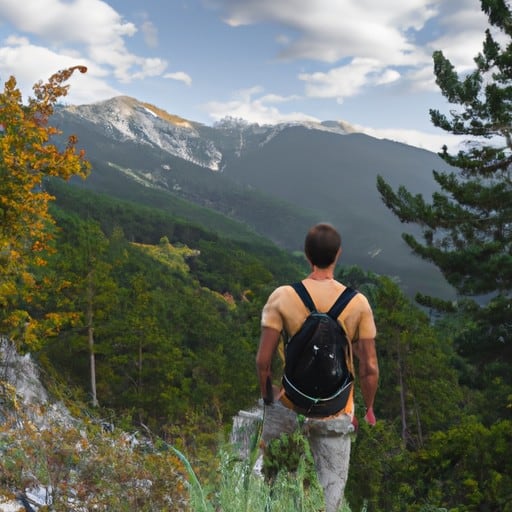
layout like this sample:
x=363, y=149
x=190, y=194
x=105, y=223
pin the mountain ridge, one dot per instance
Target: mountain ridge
x=277, y=179
x=125, y=112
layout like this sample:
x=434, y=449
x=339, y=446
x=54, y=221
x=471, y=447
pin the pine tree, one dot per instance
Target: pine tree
x=467, y=228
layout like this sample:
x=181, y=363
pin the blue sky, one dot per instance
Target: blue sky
x=364, y=62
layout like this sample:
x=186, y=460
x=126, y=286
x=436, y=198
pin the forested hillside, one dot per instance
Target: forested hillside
x=173, y=314
x=142, y=319
x=279, y=180
x=174, y=308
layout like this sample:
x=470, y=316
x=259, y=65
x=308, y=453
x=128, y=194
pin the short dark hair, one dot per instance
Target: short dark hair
x=322, y=244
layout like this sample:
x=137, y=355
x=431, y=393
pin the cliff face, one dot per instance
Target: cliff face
x=22, y=392
x=53, y=460
x=25, y=407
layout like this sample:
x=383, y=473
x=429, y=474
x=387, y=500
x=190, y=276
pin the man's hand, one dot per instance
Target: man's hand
x=370, y=416
x=268, y=343
x=364, y=349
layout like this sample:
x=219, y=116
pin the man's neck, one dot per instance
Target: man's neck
x=322, y=274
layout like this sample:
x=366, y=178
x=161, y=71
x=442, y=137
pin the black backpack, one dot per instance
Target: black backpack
x=317, y=375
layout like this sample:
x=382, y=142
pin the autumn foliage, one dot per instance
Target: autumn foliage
x=27, y=157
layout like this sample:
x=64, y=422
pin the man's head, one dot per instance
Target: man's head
x=322, y=245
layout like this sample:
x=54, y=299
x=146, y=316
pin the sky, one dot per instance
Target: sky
x=365, y=62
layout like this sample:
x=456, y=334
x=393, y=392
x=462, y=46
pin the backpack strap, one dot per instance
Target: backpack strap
x=304, y=295
x=342, y=302
x=336, y=309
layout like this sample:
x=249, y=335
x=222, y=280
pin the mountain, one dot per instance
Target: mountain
x=275, y=180
x=127, y=119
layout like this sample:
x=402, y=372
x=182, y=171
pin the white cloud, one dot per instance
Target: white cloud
x=150, y=67
x=277, y=98
x=422, y=79
x=180, y=76
x=346, y=48
x=328, y=30
x=387, y=77
x=150, y=33
x=17, y=41
x=91, y=22
x=255, y=109
x=30, y=63
x=417, y=138
x=94, y=30
x=251, y=105
x=384, y=33
x=461, y=32
x=347, y=80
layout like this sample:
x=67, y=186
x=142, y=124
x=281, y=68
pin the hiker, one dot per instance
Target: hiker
x=285, y=312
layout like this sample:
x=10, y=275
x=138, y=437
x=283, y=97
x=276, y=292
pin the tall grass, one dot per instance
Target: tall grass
x=240, y=489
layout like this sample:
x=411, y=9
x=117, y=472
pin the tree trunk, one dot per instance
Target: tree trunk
x=90, y=339
x=402, y=396
x=418, y=423
x=139, y=378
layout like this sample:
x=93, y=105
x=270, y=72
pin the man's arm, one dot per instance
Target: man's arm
x=269, y=340
x=365, y=351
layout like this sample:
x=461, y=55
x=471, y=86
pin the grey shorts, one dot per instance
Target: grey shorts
x=329, y=440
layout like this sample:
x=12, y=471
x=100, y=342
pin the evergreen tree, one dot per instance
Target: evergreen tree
x=467, y=228
x=84, y=290
x=418, y=384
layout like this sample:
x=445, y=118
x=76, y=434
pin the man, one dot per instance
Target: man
x=285, y=312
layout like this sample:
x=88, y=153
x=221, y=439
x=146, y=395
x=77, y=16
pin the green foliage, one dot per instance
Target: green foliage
x=178, y=357
x=287, y=453
x=84, y=467
x=175, y=325
x=466, y=468
x=467, y=227
x=418, y=383
x=365, y=282
x=401, y=464
x=224, y=267
x=238, y=488
x=377, y=454
x=248, y=255
x=121, y=201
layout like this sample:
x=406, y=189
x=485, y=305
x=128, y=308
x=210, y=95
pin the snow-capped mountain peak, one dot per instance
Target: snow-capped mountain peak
x=128, y=119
